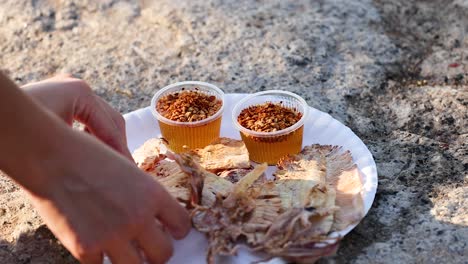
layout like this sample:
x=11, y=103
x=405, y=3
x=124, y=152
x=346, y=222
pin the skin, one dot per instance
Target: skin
x=85, y=186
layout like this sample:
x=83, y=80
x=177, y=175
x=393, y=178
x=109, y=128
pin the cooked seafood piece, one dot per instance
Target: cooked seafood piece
x=313, y=193
x=345, y=178
x=302, y=184
x=178, y=185
x=222, y=154
x=147, y=153
x=214, y=186
x=296, y=179
x=267, y=209
x=293, y=235
x=223, y=221
x=254, y=209
x=150, y=158
x=205, y=185
x=234, y=175
x=262, y=200
x=241, y=188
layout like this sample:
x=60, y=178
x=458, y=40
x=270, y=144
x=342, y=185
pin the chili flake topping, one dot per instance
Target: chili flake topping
x=188, y=106
x=268, y=117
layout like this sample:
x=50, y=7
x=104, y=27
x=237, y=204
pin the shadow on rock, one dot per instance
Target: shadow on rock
x=37, y=247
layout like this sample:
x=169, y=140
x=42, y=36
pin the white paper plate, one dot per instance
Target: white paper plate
x=319, y=128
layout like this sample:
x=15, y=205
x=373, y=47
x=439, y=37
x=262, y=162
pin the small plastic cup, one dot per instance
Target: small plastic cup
x=269, y=147
x=196, y=134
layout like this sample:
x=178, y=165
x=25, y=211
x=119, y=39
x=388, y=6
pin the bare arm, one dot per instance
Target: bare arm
x=92, y=198
x=28, y=135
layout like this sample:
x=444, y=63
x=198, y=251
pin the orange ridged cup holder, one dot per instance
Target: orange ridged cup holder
x=196, y=134
x=269, y=147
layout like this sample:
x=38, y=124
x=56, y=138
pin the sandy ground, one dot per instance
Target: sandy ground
x=393, y=71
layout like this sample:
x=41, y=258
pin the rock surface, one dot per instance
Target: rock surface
x=395, y=72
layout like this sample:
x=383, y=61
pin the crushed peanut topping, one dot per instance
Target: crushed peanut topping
x=268, y=117
x=188, y=106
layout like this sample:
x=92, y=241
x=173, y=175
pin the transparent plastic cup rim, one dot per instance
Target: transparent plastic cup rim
x=237, y=109
x=179, y=123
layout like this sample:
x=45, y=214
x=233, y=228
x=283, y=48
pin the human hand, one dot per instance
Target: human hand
x=94, y=200
x=97, y=202
x=72, y=99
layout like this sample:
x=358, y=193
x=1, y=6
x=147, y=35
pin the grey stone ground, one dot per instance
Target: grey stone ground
x=393, y=71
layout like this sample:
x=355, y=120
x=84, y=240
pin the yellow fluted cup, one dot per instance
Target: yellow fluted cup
x=269, y=147
x=196, y=134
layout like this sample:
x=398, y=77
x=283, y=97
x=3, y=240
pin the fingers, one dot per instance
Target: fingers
x=72, y=98
x=119, y=122
x=123, y=252
x=171, y=214
x=156, y=243
x=92, y=259
x=103, y=122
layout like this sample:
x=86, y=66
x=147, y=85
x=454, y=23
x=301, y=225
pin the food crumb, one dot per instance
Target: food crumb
x=188, y=106
x=268, y=117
